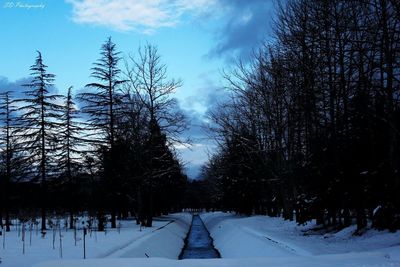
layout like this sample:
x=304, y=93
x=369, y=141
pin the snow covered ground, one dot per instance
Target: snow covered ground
x=256, y=241
x=164, y=239
x=286, y=243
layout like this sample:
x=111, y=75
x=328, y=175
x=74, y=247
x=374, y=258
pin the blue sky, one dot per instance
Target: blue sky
x=196, y=39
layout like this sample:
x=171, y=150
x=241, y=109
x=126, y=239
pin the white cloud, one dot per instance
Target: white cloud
x=144, y=16
x=187, y=146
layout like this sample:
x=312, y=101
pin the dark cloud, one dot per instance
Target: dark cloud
x=206, y=97
x=195, y=131
x=247, y=25
x=209, y=94
x=15, y=87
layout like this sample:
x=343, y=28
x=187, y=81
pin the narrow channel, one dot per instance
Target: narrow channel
x=198, y=243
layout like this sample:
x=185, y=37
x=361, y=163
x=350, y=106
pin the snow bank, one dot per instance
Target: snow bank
x=130, y=241
x=261, y=236
x=165, y=242
x=235, y=238
x=318, y=261
x=256, y=241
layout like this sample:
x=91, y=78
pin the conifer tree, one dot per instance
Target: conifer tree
x=11, y=164
x=40, y=122
x=101, y=106
x=72, y=149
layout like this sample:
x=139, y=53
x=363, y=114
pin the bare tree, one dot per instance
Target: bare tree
x=147, y=76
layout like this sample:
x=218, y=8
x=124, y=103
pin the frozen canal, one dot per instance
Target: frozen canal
x=199, y=244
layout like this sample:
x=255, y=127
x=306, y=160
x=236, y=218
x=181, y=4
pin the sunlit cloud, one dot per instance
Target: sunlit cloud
x=145, y=16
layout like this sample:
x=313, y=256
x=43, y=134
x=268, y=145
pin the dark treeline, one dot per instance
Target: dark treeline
x=312, y=128
x=108, y=152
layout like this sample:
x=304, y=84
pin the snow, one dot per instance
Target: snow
x=318, y=261
x=166, y=242
x=130, y=241
x=261, y=236
x=256, y=241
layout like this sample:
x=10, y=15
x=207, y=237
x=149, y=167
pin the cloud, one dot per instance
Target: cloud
x=16, y=88
x=208, y=95
x=144, y=16
x=246, y=27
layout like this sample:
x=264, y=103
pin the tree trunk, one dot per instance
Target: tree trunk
x=113, y=219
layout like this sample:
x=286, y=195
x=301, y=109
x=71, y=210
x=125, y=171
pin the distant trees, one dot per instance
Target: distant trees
x=321, y=106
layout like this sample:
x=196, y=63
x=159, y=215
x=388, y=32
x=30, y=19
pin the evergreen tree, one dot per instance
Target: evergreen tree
x=71, y=149
x=40, y=122
x=102, y=107
x=11, y=161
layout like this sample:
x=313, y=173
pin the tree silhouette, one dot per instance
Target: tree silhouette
x=101, y=105
x=40, y=121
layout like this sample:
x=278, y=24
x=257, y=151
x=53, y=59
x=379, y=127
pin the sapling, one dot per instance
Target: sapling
x=51, y=224
x=66, y=224
x=36, y=223
x=60, y=235
x=89, y=225
x=4, y=239
x=18, y=228
x=23, y=238
x=30, y=233
x=75, y=233
x=84, y=242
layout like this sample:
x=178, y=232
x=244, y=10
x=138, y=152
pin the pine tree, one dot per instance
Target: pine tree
x=71, y=150
x=101, y=106
x=40, y=121
x=11, y=163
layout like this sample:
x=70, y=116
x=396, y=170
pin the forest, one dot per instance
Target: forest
x=311, y=127
x=106, y=153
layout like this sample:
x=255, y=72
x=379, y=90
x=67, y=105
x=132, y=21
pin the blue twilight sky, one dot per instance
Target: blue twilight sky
x=196, y=39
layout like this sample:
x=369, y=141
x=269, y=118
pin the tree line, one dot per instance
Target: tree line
x=108, y=151
x=312, y=126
